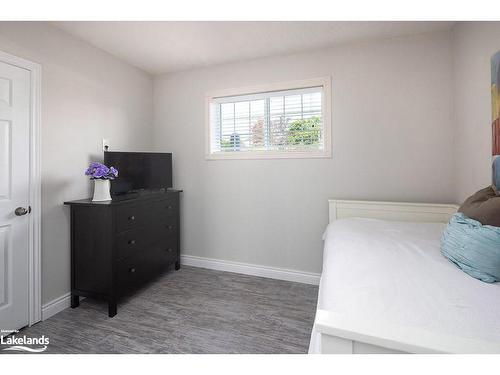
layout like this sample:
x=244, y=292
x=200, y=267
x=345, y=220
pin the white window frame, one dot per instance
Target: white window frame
x=325, y=82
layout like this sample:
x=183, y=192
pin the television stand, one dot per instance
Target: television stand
x=118, y=246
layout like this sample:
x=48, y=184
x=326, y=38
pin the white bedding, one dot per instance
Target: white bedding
x=394, y=272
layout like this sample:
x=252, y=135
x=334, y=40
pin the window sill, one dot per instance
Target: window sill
x=267, y=155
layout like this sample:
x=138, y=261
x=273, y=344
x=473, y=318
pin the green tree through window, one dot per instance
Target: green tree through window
x=305, y=132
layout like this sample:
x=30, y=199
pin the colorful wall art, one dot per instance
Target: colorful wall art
x=495, y=122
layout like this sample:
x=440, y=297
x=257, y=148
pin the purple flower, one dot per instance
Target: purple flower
x=100, y=171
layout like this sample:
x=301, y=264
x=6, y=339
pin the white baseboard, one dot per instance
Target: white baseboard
x=56, y=305
x=251, y=269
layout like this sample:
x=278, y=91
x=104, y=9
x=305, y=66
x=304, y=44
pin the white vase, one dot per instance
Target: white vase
x=101, y=191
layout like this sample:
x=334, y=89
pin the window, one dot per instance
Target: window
x=289, y=120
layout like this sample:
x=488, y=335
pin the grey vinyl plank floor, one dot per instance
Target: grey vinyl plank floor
x=192, y=310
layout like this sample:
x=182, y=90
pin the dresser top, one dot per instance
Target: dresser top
x=126, y=198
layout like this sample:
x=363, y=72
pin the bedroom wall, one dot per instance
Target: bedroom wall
x=86, y=95
x=392, y=140
x=473, y=45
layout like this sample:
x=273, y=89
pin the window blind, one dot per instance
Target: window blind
x=278, y=121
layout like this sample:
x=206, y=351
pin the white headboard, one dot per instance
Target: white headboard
x=395, y=211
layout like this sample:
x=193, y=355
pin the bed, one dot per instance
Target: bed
x=386, y=288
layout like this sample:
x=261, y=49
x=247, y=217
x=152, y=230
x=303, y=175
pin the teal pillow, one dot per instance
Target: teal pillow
x=473, y=247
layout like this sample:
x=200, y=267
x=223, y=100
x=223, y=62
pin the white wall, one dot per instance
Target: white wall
x=392, y=140
x=86, y=95
x=473, y=45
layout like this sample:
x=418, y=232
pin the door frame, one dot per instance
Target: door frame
x=34, y=225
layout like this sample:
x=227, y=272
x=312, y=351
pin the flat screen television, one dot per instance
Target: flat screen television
x=139, y=171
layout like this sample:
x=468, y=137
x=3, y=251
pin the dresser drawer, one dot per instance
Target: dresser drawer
x=167, y=245
x=167, y=255
x=131, y=242
x=134, y=270
x=131, y=273
x=130, y=216
x=133, y=215
x=163, y=253
x=144, y=240
x=167, y=208
x=168, y=227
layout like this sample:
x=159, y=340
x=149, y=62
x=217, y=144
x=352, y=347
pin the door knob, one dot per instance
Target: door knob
x=20, y=211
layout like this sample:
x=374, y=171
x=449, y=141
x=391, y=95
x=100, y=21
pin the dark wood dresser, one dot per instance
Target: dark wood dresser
x=119, y=245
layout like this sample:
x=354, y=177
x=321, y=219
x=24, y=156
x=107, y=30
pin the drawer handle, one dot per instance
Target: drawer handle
x=131, y=218
x=169, y=207
x=169, y=249
x=131, y=242
x=131, y=270
x=170, y=227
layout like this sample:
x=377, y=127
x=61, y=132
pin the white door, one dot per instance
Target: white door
x=14, y=195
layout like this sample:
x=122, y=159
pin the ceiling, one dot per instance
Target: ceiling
x=163, y=47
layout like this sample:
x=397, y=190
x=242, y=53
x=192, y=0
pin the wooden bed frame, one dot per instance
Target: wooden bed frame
x=344, y=335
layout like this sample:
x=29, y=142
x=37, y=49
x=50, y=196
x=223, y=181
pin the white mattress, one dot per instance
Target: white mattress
x=394, y=272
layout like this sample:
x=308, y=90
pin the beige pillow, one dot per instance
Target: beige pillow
x=483, y=206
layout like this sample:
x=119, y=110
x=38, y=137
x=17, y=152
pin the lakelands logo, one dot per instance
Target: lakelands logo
x=23, y=343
